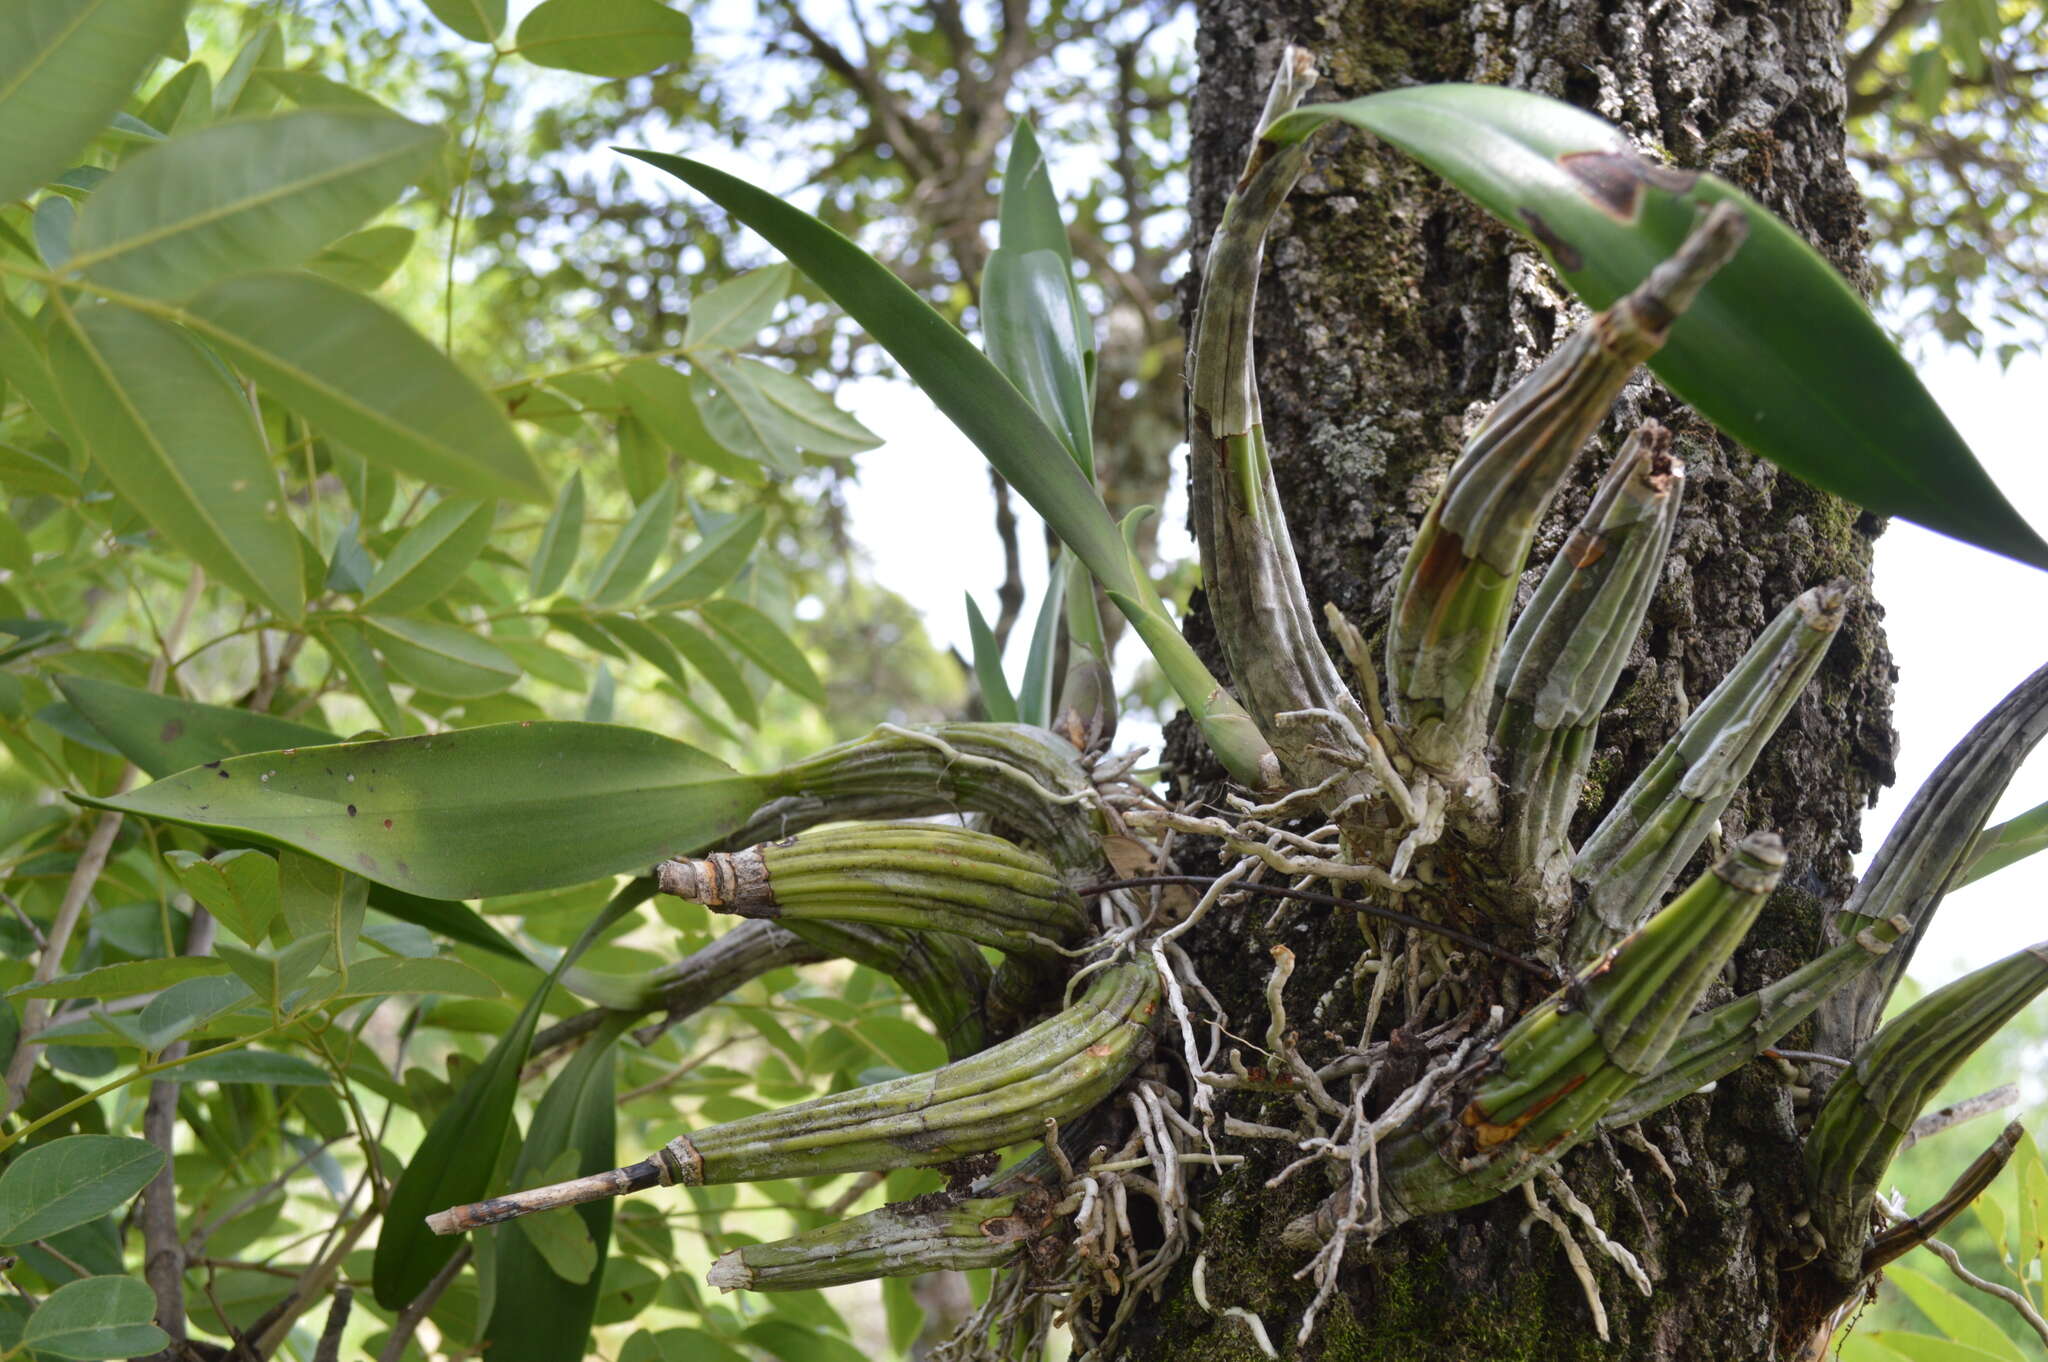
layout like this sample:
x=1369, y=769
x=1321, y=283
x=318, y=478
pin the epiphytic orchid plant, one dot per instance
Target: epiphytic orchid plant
x=1465, y=747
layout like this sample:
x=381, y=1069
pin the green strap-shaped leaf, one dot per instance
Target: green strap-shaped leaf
x=1034, y=696
x=996, y=418
x=178, y=441
x=431, y=557
x=454, y=1162
x=245, y=195
x=1033, y=322
x=1957, y=1318
x=365, y=378
x=162, y=733
x=1777, y=350
x=539, y=1314
x=495, y=810
x=66, y=67
x=1998, y=847
x=961, y=380
x=604, y=37
x=762, y=642
x=996, y=700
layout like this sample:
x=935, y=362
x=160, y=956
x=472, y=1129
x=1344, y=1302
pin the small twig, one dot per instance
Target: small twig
x=67, y=1260
x=1954, y=1114
x=2005, y=1293
x=1466, y=939
x=328, y=1349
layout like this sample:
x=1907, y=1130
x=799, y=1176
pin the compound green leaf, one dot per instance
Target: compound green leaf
x=710, y=563
x=319, y=899
x=244, y=196
x=730, y=316
x=254, y=1066
x=1777, y=350
x=364, y=260
x=67, y=1182
x=769, y=416
x=495, y=810
x=713, y=664
x=66, y=68
x=440, y=658
x=480, y=21
x=95, y=1318
x=631, y=556
x=431, y=557
x=349, y=645
x=662, y=398
x=123, y=978
x=762, y=642
x=559, y=541
x=605, y=37
x=365, y=378
x=178, y=441
x=239, y=887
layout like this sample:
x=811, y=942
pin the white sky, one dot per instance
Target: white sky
x=1965, y=626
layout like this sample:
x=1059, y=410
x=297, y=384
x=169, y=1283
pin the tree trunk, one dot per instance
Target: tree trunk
x=1391, y=316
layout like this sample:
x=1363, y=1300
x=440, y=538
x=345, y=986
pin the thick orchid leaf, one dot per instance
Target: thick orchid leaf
x=544, y=1302
x=996, y=700
x=453, y=1164
x=1034, y=696
x=961, y=380
x=994, y=416
x=162, y=735
x=1777, y=350
x=495, y=810
x=2013, y=840
x=1032, y=319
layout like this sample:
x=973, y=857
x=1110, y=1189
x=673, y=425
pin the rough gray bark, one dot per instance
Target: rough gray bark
x=1391, y=316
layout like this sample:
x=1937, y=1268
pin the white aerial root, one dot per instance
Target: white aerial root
x=1251, y=1321
x=1563, y=1192
x=1573, y=1254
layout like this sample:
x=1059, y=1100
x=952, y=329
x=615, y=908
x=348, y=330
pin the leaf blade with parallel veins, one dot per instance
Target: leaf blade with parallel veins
x=1849, y=416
